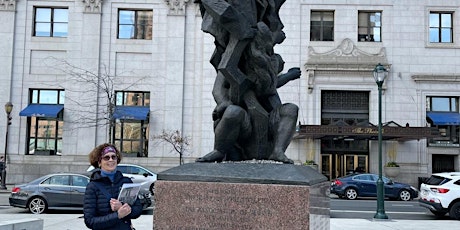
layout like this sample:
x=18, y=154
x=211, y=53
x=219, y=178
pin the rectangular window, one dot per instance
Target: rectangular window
x=131, y=136
x=445, y=107
x=132, y=98
x=442, y=104
x=441, y=29
x=45, y=133
x=369, y=26
x=322, y=26
x=51, y=22
x=135, y=24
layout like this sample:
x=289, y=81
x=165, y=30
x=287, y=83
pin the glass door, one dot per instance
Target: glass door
x=326, y=165
x=355, y=163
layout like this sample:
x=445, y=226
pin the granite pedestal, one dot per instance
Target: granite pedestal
x=241, y=196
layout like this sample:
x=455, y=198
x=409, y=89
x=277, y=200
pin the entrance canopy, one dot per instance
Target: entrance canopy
x=41, y=110
x=370, y=132
x=444, y=118
x=131, y=113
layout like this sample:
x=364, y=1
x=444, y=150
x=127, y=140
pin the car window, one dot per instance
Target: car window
x=457, y=182
x=133, y=170
x=122, y=169
x=129, y=169
x=57, y=180
x=385, y=180
x=140, y=171
x=79, y=181
x=363, y=177
x=436, y=180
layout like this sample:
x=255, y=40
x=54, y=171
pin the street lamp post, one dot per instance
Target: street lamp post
x=8, y=109
x=380, y=74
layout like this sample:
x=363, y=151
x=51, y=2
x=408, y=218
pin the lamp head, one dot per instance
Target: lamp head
x=8, y=107
x=380, y=73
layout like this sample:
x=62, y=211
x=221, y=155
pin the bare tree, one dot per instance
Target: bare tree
x=175, y=138
x=94, y=89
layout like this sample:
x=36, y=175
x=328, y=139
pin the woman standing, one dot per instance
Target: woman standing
x=101, y=208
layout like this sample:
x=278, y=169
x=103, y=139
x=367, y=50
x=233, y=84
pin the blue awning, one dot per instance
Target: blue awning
x=40, y=110
x=444, y=118
x=131, y=113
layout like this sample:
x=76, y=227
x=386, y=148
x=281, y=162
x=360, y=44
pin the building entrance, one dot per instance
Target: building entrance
x=336, y=165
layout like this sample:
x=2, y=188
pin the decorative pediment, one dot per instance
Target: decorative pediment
x=8, y=5
x=347, y=57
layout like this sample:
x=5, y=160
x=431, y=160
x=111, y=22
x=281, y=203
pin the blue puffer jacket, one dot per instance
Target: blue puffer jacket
x=96, y=208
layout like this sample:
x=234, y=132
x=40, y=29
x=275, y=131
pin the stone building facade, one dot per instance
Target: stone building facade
x=156, y=59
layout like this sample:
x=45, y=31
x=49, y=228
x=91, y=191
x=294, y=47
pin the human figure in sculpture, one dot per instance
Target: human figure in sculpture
x=250, y=122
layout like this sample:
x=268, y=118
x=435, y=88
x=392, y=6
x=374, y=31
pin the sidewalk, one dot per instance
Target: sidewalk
x=145, y=222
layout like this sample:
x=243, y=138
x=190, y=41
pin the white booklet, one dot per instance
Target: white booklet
x=128, y=193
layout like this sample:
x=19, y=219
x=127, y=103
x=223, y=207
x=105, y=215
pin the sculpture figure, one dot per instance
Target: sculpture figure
x=250, y=121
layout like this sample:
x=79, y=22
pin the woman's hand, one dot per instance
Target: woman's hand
x=124, y=210
x=115, y=204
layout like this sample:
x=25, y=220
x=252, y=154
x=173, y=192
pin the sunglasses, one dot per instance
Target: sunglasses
x=107, y=157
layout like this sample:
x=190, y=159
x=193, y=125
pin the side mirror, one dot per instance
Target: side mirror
x=390, y=182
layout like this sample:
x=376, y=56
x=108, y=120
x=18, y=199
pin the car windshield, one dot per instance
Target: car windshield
x=437, y=180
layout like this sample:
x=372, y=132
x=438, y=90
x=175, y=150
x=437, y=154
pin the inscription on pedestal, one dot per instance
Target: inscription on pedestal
x=208, y=205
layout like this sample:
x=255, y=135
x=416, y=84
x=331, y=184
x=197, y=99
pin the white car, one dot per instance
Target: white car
x=138, y=174
x=441, y=194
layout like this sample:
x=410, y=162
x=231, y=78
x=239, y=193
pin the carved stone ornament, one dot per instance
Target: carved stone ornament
x=93, y=6
x=347, y=51
x=345, y=58
x=8, y=5
x=176, y=7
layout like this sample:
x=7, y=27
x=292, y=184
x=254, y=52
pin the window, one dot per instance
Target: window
x=446, y=111
x=369, y=26
x=135, y=24
x=79, y=181
x=441, y=27
x=51, y=22
x=322, y=26
x=132, y=170
x=132, y=98
x=45, y=133
x=131, y=135
x=442, y=104
x=57, y=180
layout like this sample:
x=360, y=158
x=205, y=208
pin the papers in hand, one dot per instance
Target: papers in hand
x=128, y=193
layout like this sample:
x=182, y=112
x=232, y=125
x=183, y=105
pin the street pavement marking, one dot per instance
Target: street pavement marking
x=350, y=211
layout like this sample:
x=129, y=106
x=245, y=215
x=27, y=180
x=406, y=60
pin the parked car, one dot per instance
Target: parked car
x=441, y=194
x=64, y=191
x=365, y=185
x=138, y=174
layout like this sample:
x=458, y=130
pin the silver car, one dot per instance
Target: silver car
x=52, y=191
x=138, y=174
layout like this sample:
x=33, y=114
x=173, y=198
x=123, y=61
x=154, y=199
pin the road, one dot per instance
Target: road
x=366, y=208
x=360, y=208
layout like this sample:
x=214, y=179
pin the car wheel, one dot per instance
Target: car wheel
x=351, y=193
x=37, y=205
x=438, y=213
x=404, y=195
x=454, y=211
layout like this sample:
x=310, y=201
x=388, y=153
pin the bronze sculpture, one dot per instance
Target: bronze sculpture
x=250, y=121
